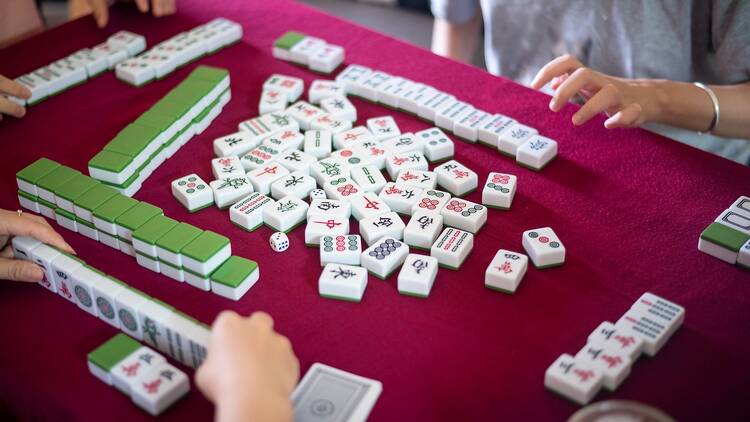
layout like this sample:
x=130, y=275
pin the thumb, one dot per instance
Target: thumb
x=18, y=270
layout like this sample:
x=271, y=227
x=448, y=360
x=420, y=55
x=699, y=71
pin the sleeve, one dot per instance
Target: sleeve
x=454, y=11
x=730, y=37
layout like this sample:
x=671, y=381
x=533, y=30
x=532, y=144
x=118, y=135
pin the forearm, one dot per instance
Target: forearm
x=267, y=408
x=456, y=41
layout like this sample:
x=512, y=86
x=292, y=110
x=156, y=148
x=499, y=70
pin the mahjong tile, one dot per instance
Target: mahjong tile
x=743, y=257
x=418, y=178
x=318, y=143
x=101, y=360
x=247, y=213
x=105, y=292
x=383, y=127
x=127, y=304
x=126, y=373
x=431, y=105
x=294, y=184
x=390, y=92
x=62, y=267
x=284, y=43
x=423, y=229
x=227, y=167
x=286, y=214
x=343, y=282
x=466, y=127
x=614, y=366
x=237, y=144
x=456, y=178
x=374, y=228
x=437, y=146
x=305, y=48
x=668, y=313
x=340, y=249
x=22, y=247
x=329, y=208
x=368, y=88
x=330, y=123
x=321, y=225
x=327, y=169
x=342, y=188
x=284, y=140
x=368, y=205
x=258, y=157
x=326, y=59
x=400, y=198
x=228, y=191
x=296, y=161
x=417, y=275
x=620, y=339
x=339, y=107
x=292, y=87
x=430, y=201
x=452, y=247
x=268, y=124
x=736, y=220
x=351, y=157
x=573, y=379
x=513, y=137
x=465, y=215
x=159, y=388
x=488, y=133
x=384, y=256
x=499, y=190
x=653, y=333
x=369, y=178
x=403, y=143
x=506, y=270
x=234, y=277
x=192, y=192
x=130, y=41
x=168, y=247
x=410, y=100
x=352, y=77
x=38, y=86
x=204, y=254
x=396, y=163
x=371, y=154
x=321, y=89
x=83, y=280
x=272, y=100
x=544, y=247
x=741, y=205
x=163, y=64
x=352, y=137
x=537, y=152
x=264, y=176
x=135, y=71
x=304, y=113
x=448, y=116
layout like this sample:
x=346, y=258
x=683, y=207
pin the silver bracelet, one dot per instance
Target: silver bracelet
x=715, y=101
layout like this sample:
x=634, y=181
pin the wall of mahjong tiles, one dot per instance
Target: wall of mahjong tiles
x=628, y=205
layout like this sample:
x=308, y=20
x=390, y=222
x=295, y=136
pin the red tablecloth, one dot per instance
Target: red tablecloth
x=627, y=204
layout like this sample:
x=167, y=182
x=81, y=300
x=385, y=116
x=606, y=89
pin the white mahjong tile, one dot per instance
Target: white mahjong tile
x=105, y=292
x=448, y=116
x=351, y=157
x=342, y=188
x=488, y=133
x=71, y=72
x=384, y=256
x=452, y=247
x=537, y=152
x=741, y=205
x=291, y=86
x=304, y=113
x=402, y=144
x=23, y=245
x=295, y=184
x=343, y=282
x=329, y=208
x=327, y=169
x=264, y=176
x=372, y=154
x=114, y=55
x=286, y=214
x=400, y=198
x=268, y=124
x=352, y=77
x=330, y=123
x=126, y=373
x=653, y=333
x=544, y=247
x=573, y=379
x=238, y=144
x=146, y=261
x=464, y=215
x=390, y=92
x=417, y=275
x=321, y=89
x=743, y=257
x=506, y=271
x=466, y=127
x=351, y=137
x=668, y=313
x=369, y=178
x=423, y=229
x=134, y=43
x=431, y=105
x=95, y=63
x=318, y=143
x=258, y=157
x=412, y=97
x=284, y=140
x=620, y=339
x=272, y=100
x=163, y=64
x=383, y=127
x=159, y=388
x=248, y=211
x=296, y=161
x=192, y=192
x=418, y=178
x=735, y=220
x=83, y=281
x=340, y=249
x=135, y=71
x=28, y=203
x=321, y=225
x=43, y=256
x=368, y=88
x=388, y=224
x=513, y=137
x=368, y=205
x=62, y=268
x=178, y=53
x=38, y=86
x=614, y=366
x=430, y=201
x=437, y=145
x=499, y=190
x=304, y=49
x=339, y=107
x=65, y=222
x=326, y=59
x=414, y=160
x=230, y=190
x=227, y=167
x=456, y=178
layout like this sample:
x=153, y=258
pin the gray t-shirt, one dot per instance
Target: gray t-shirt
x=681, y=40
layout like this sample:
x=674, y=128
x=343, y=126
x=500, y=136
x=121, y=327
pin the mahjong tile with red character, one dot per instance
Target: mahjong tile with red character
x=330, y=123
x=321, y=89
x=456, y=178
x=264, y=176
x=573, y=379
x=506, y=271
x=272, y=100
x=544, y=247
x=326, y=59
x=614, y=365
x=351, y=137
x=413, y=160
x=342, y=188
x=159, y=388
x=373, y=154
x=304, y=113
x=226, y=167
x=320, y=226
x=498, y=191
x=292, y=87
x=620, y=338
x=383, y=127
x=368, y=205
x=418, y=178
x=284, y=140
x=400, y=198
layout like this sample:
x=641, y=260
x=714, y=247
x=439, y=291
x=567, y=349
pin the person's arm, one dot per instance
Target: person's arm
x=100, y=9
x=633, y=102
x=250, y=371
x=456, y=29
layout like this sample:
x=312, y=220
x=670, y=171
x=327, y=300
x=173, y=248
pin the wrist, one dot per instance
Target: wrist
x=258, y=407
x=654, y=99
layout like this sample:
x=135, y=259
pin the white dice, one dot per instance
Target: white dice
x=317, y=194
x=544, y=247
x=279, y=242
x=506, y=271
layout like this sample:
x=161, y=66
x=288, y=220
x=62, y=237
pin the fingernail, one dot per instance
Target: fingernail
x=577, y=119
x=552, y=105
x=33, y=273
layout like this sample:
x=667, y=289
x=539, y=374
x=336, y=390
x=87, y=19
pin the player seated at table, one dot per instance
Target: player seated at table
x=633, y=60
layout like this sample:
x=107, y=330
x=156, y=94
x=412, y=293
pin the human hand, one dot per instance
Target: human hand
x=250, y=371
x=100, y=9
x=627, y=102
x=7, y=106
x=13, y=224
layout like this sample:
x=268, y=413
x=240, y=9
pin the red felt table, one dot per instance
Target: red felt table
x=628, y=205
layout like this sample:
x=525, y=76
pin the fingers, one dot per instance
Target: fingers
x=18, y=270
x=142, y=5
x=11, y=108
x=261, y=319
x=608, y=96
x=100, y=10
x=630, y=116
x=11, y=87
x=559, y=66
x=583, y=78
x=163, y=7
x=19, y=225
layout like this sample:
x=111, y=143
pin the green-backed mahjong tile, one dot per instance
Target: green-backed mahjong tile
x=154, y=229
x=133, y=139
x=36, y=170
x=67, y=214
x=202, y=115
x=138, y=215
x=95, y=196
x=28, y=196
x=234, y=271
x=205, y=246
x=209, y=73
x=110, y=161
x=132, y=179
x=288, y=40
x=154, y=118
x=75, y=187
x=178, y=237
x=114, y=207
x=56, y=178
x=169, y=110
x=724, y=236
x=113, y=351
